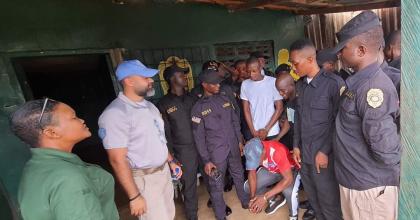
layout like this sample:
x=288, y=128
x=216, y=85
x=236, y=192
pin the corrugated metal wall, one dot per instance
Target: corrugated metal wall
x=321, y=28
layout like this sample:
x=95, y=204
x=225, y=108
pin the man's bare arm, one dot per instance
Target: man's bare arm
x=119, y=162
x=248, y=117
x=279, y=109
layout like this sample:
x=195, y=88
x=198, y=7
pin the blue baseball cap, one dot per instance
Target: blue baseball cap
x=253, y=151
x=134, y=67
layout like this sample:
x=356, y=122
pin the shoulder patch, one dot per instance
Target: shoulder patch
x=375, y=97
x=196, y=119
x=102, y=133
x=342, y=89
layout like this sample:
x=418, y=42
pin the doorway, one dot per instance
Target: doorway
x=82, y=81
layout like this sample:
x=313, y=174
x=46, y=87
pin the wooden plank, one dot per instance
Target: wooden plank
x=410, y=111
x=367, y=6
x=251, y=4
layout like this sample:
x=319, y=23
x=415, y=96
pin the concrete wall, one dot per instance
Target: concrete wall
x=28, y=27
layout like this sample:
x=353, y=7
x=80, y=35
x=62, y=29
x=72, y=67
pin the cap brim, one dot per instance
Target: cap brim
x=184, y=70
x=148, y=72
x=216, y=81
x=339, y=47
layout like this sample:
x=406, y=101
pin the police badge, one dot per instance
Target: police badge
x=375, y=97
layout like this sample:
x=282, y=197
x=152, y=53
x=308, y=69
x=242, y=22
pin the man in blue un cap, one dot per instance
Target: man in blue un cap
x=277, y=167
x=367, y=145
x=132, y=132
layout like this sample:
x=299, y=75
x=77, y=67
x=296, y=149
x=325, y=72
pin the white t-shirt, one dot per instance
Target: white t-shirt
x=261, y=96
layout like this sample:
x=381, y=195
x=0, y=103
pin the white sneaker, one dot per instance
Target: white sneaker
x=293, y=217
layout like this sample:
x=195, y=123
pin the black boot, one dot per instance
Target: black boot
x=228, y=210
x=309, y=214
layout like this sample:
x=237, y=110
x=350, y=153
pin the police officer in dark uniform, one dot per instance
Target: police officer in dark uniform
x=175, y=108
x=393, y=73
x=226, y=90
x=318, y=94
x=392, y=49
x=367, y=146
x=219, y=141
x=287, y=88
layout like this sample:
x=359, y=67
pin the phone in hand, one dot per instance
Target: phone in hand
x=215, y=174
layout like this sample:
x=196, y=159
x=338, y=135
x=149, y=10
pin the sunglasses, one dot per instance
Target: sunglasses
x=43, y=111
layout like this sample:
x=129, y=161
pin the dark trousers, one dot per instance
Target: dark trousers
x=233, y=162
x=322, y=191
x=188, y=157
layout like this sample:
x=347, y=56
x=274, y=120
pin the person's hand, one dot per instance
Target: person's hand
x=173, y=167
x=251, y=201
x=263, y=133
x=208, y=167
x=241, y=148
x=296, y=156
x=321, y=161
x=138, y=206
x=259, y=203
x=255, y=134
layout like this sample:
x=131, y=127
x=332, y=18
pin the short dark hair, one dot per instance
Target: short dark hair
x=374, y=38
x=25, y=124
x=393, y=38
x=238, y=62
x=300, y=44
x=252, y=60
x=283, y=68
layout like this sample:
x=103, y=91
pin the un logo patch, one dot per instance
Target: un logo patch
x=102, y=133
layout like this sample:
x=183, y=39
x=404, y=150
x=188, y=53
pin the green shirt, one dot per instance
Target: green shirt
x=59, y=185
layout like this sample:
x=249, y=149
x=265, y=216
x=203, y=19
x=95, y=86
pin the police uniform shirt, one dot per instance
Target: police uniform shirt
x=289, y=115
x=396, y=63
x=316, y=108
x=225, y=90
x=137, y=126
x=176, y=114
x=367, y=149
x=393, y=74
x=216, y=128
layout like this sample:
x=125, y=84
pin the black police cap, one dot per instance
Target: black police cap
x=326, y=55
x=170, y=71
x=362, y=23
x=210, y=76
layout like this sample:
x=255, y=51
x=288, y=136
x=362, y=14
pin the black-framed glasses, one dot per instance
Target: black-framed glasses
x=42, y=111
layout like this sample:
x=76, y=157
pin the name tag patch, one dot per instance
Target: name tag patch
x=349, y=94
x=227, y=104
x=196, y=120
x=205, y=112
x=171, y=109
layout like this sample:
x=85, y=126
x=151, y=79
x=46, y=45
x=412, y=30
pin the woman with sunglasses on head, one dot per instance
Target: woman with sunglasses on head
x=57, y=184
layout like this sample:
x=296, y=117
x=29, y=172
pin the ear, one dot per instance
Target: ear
x=311, y=59
x=361, y=50
x=127, y=81
x=50, y=133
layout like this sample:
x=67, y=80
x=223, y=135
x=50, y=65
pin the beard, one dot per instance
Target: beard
x=151, y=92
x=146, y=92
